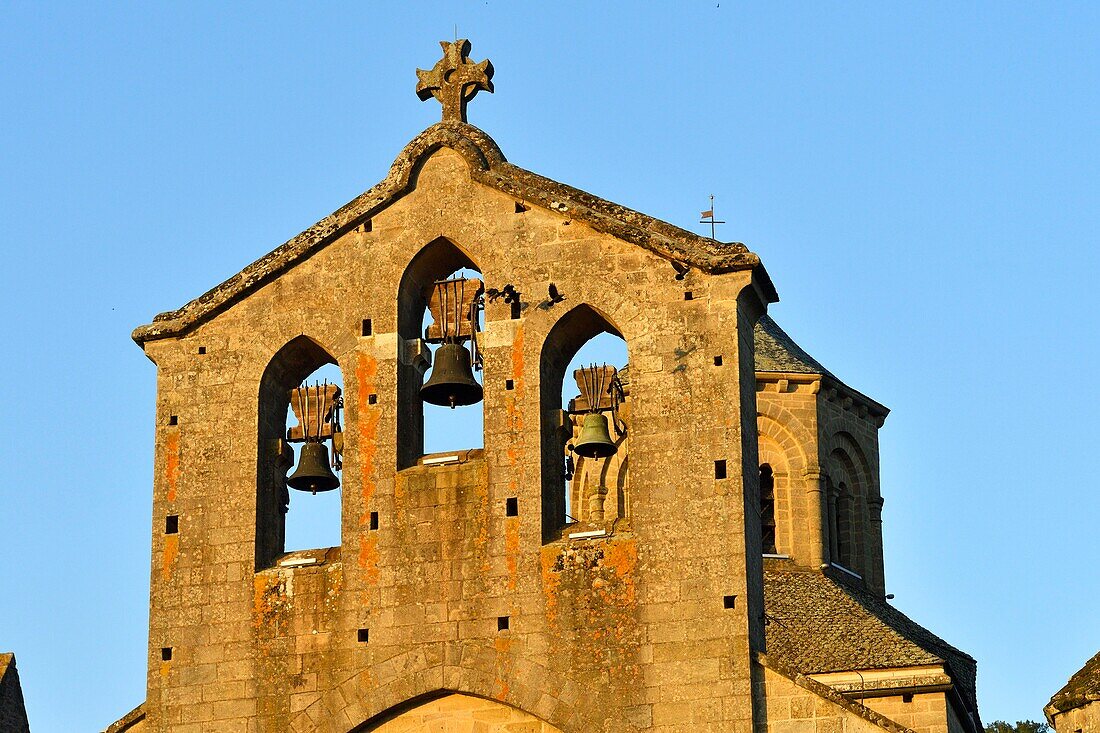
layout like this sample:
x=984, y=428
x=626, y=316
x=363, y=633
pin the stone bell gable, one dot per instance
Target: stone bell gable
x=671, y=550
x=456, y=573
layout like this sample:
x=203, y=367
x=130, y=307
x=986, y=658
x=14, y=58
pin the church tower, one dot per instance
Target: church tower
x=593, y=565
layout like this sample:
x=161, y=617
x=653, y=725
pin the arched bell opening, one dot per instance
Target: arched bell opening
x=584, y=396
x=440, y=322
x=299, y=444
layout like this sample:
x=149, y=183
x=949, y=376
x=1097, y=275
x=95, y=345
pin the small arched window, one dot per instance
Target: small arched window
x=767, y=510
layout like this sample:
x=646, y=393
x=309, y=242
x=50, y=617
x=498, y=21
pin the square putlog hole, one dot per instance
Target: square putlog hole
x=166, y=654
x=173, y=420
x=729, y=601
x=718, y=360
x=372, y=399
x=363, y=636
x=202, y=350
x=509, y=384
x=688, y=295
x=719, y=469
x=511, y=507
x=172, y=524
x=502, y=623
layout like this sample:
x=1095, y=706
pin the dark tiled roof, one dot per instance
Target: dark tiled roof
x=1083, y=687
x=818, y=622
x=777, y=352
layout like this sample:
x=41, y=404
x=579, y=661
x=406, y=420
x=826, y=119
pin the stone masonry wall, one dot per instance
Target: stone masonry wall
x=645, y=630
x=924, y=713
x=1084, y=719
x=787, y=424
x=790, y=708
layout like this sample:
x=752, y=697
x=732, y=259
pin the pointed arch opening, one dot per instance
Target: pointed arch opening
x=584, y=370
x=440, y=317
x=287, y=416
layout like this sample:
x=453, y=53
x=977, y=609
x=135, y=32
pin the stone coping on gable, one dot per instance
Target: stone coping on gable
x=489, y=167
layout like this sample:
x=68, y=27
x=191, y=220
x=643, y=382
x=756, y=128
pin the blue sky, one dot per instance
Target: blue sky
x=920, y=181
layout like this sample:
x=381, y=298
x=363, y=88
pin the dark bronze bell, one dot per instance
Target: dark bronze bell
x=594, y=440
x=452, y=382
x=313, y=472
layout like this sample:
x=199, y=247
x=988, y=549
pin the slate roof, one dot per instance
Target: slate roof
x=777, y=352
x=819, y=622
x=488, y=167
x=1082, y=688
x=13, y=712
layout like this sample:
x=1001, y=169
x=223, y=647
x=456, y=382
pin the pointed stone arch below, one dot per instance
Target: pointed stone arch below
x=457, y=713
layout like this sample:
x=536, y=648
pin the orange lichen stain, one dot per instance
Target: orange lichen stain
x=503, y=645
x=171, y=464
x=368, y=558
x=268, y=598
x=511, y=549
x=551, y=580
x=622, y=557
x=366, y=370
x=171, y=555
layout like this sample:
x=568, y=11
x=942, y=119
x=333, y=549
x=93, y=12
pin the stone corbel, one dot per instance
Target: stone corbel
x=414, y=352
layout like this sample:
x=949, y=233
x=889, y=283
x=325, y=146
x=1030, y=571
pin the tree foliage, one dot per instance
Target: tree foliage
x=1022, y=726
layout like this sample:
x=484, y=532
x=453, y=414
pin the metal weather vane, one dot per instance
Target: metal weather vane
x=454, y=80
x=707, y=217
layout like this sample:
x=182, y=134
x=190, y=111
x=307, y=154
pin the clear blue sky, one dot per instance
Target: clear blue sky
x=920, y=180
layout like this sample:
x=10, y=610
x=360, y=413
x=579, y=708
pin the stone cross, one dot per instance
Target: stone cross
x=454, y=80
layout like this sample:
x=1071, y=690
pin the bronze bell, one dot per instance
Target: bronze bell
x=452, y=382
x=313, y=472
x=594, y=440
